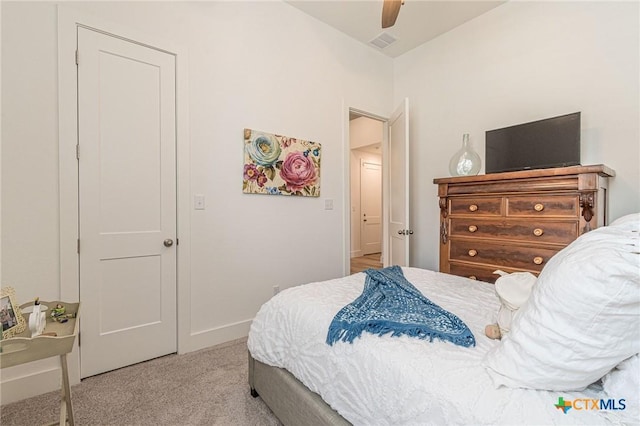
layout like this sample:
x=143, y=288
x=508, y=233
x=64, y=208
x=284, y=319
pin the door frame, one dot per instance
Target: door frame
x=68, y=21
x=346, y=249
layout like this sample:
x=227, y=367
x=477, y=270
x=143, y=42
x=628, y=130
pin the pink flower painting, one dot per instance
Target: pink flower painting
x=297, y=171
x=280, y=165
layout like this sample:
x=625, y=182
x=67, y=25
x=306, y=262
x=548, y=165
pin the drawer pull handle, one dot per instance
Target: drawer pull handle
x=473, y=228
x=538, y=260
x=473, y=207
x=473, y=277
x=538, y=232
x=538, y=207
x=472, y=253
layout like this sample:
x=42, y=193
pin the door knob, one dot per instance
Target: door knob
x=168, y=242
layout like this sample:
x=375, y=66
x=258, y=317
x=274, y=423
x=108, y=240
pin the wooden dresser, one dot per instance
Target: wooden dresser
x=516, y=221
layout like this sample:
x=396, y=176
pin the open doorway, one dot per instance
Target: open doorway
x=393, y=135
x=365, y=164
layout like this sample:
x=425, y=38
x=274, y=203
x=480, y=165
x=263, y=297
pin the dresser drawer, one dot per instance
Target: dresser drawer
x=501, y=254
x=517, y=230
x=480, y=206
x=475, y=273
x=478, y=273
x=541, y=206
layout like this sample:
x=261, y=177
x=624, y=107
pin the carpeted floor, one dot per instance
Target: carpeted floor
x=206, y=387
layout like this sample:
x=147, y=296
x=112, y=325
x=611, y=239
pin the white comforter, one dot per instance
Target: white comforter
x=401, y=380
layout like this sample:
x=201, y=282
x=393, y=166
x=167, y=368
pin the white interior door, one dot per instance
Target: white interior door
x=127, y=199
x=398, y=187
x=371, y=207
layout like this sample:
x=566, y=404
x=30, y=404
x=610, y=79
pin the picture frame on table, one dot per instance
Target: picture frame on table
x=11, y=318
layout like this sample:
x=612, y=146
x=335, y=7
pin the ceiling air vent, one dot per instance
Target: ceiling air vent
x=383, y=40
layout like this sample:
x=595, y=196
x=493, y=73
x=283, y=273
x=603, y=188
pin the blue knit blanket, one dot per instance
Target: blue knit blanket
x=391, y=304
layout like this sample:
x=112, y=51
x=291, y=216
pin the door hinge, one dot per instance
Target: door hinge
x=79, y=338
x=78, y=151
x=177, y=241
x=77, y=63
x=78, y=245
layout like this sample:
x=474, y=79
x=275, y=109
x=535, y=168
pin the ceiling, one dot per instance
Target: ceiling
x=418, y=22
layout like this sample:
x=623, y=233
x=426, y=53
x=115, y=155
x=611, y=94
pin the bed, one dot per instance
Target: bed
x=385, y=380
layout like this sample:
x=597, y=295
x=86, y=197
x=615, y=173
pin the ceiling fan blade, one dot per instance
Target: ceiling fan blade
x=390, y=10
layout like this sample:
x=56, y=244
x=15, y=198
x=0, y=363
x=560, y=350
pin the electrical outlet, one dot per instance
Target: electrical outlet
x=276, y=289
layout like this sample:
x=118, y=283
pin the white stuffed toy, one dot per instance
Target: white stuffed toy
x=512, y=290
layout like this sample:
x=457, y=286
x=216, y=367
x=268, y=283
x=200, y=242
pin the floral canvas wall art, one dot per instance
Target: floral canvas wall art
x=280, y=165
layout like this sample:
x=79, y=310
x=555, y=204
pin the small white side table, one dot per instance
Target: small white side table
x=23, y=348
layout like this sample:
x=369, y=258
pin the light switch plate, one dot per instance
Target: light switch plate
x=198, y=202
x=328, y=204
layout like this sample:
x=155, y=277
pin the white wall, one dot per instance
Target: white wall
x=364, y=131
x=523, y=61
x=261, y=65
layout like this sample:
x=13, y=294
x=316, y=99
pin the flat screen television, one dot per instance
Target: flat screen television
x=552, y=142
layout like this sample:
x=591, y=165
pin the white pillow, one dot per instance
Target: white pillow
x=582, y=319
x=623, y=383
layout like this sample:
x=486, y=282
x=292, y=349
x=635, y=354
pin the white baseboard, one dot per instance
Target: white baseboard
x=356, y=253
x=29, y=385
x=215, y=336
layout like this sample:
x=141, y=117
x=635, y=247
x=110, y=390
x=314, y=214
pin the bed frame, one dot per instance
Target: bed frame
x=290, y=400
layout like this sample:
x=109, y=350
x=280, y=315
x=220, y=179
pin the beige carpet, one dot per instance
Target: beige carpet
x=207, y=387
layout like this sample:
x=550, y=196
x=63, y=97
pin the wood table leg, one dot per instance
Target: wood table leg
x=66, y=409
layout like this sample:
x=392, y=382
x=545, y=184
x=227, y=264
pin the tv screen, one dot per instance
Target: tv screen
x=552, y=142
